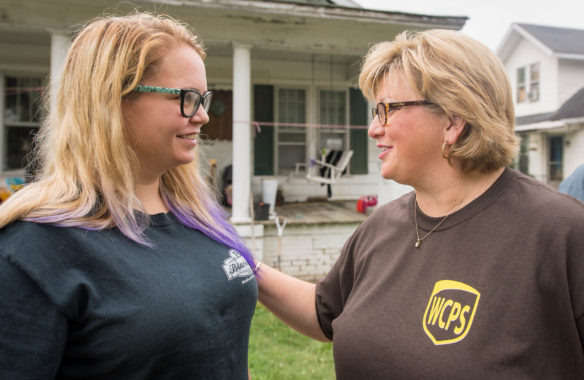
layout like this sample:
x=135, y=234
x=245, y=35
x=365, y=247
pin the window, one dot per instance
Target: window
x=21, y=118
x=534, y=82
x=556, y=146
x=521, y=91
x=273, y=144
x=333, y=111
x=291, y=140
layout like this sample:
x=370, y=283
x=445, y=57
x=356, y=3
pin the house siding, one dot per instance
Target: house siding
x=573, y=148
x=570, y=79
x=537, y=153
x=526, y=54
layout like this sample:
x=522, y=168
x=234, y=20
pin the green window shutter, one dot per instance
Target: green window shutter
x=263, y=110
x=359, y=139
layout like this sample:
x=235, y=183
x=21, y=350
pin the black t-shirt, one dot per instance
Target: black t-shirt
x=81, y=304
x=495, y=292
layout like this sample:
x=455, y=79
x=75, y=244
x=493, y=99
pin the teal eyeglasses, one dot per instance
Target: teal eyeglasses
x=190, y=100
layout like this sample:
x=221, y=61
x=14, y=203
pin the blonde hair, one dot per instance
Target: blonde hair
x=86, y=175
x=464, y=78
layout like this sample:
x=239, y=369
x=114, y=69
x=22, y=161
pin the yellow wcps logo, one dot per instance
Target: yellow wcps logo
x=450, y=311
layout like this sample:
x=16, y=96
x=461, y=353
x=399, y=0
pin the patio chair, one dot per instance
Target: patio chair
x=329, y=170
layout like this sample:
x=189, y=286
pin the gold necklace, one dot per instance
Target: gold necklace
x=419, y=241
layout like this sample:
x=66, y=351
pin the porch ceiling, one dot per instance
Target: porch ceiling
x=270, y=54
x=271, y=25
x=28, y=38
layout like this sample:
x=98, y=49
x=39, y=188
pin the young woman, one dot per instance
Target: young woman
x=116, y=261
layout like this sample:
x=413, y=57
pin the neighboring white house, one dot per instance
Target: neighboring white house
x=546, y=68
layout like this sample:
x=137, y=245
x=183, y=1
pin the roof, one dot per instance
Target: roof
x=332, y=3
x=339, y=9
x=559, y=40
x=573, y=108
x=273, y=12
x=530, y=119
x=554, y=41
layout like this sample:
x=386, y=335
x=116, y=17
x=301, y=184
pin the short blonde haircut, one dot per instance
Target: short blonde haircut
x=87, y=168
x=464, y=78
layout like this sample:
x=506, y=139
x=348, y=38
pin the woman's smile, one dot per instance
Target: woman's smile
x=385, y=151
x=189, y=136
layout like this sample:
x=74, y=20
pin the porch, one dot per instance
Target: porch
x=310, y=241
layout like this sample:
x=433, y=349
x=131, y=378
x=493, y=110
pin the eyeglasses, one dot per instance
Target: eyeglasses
x=383, y=109
x=190, y=100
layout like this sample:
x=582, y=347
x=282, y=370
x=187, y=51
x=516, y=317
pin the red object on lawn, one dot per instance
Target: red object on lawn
x=366, y=201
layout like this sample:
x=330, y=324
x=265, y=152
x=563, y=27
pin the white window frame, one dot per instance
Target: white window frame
x=277, y=88
x=344, y=131
x=533, y=94
x=521, y=85
x=531, y=87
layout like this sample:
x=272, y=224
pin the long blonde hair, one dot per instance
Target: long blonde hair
x=464, y=78
x=86, y=174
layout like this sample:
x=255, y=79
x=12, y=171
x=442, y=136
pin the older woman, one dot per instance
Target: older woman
x=476, y=274
x=117, y=262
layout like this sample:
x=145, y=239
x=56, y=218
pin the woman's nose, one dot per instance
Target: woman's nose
x=201, y=116
x=375, y=129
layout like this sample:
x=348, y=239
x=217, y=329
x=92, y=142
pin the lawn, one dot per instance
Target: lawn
x=278, y=352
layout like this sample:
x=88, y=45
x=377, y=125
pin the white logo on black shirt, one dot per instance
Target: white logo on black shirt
x=236, y=266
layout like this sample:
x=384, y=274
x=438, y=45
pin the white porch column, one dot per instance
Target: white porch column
x=60, y=44
x=241, y=133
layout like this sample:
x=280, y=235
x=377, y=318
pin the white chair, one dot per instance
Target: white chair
x=327, y=173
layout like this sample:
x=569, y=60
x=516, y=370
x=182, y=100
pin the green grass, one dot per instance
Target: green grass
x=280, y=353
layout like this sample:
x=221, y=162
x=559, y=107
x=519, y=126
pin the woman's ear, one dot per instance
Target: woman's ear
x=454, y=129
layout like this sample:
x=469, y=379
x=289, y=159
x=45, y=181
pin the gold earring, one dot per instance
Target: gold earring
x=443, y=155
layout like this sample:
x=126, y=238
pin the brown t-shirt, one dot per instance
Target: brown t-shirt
x=495, y=292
